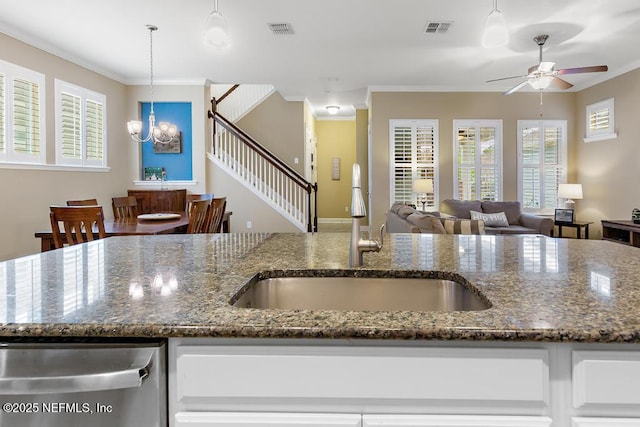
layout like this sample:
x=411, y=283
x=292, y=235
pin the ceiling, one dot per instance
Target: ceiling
x=339, y=48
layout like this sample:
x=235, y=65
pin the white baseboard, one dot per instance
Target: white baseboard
x=334, y=220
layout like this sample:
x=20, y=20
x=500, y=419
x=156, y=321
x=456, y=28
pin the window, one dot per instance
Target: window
x=477, y=159
x=413, y=155
x=80, y=130
x=600, y=121
x=21, y=115
x=542, y=163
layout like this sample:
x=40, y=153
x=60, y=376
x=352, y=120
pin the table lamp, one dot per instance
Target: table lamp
x=570, y=192
x=423, y=186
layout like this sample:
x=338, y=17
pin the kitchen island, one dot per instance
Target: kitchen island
x=564, y=323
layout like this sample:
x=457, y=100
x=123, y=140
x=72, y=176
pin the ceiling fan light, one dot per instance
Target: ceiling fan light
x=541, y=82
x=495, y=30
x=216, y=32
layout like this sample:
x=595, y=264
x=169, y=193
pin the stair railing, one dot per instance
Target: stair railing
x=263, y=171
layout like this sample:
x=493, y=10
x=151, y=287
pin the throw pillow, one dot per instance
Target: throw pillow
x=498, y=219
x=463, y=226
x=511, y=209
x=425, y=222
x=404, y=211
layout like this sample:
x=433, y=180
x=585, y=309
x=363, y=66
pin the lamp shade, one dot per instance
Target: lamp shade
x=570, y=191
x=423, y=185
x=216, y=32
x=495, y=30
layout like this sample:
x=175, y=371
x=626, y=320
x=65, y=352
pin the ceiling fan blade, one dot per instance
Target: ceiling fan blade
x=558, y=83
x=516, y=87
x=505, y=78
x=578, y=70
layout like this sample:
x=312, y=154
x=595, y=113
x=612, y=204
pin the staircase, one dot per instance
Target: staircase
x=239, y=100
x=256, y=168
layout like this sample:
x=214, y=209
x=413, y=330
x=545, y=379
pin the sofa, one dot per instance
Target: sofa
x=474, y=216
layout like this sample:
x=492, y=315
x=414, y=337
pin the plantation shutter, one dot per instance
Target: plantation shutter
x=71, y=123
x=599, y=120
x=478, y=148
x=80, y=126
x=22, y=137
x=542, y=160
x=26, y=117
x=94, y=130
x=413, y=156
x=3, y=116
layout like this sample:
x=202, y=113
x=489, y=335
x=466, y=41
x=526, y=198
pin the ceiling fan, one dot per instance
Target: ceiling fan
x=543, y=75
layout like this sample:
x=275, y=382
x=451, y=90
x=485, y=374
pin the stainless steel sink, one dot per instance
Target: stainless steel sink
x=359, y=294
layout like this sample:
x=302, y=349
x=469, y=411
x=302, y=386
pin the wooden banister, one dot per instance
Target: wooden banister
x=275, y=162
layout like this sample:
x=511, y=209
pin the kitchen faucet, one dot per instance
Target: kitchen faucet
x=359, y=245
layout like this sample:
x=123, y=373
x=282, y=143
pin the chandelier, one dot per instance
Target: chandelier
x=165, y=132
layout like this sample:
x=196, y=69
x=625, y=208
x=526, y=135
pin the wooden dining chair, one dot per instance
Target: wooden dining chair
x=83, y=202
x=215, y=215
x=124, y=207
x=192, y=197
x=77, y=224
x=198, y=216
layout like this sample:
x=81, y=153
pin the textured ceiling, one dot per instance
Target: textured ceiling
x=339, y=48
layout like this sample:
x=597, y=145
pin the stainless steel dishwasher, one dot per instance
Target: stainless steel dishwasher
x=83, y=384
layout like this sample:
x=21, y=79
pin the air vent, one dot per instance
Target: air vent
x=281, y=29
x=436, y=27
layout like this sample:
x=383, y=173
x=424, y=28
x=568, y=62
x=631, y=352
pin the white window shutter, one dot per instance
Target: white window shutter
x=94, y=130
x=478, y=159
x=413, y=155
x=26, y=117
x=80, y=126
x=70, y=122
x=542, y=153
x=3, y=115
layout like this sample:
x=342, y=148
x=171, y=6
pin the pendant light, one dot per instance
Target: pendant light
x=495, y=29
x=216, y=32
x=165, y=132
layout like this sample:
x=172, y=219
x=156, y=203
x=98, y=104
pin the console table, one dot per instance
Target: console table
x=621, y=231
x=156, y=201
x=578, y=225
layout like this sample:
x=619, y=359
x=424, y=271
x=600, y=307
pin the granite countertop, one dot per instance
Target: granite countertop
x=541, y=289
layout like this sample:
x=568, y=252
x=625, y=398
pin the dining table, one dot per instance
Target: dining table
x=149, y=224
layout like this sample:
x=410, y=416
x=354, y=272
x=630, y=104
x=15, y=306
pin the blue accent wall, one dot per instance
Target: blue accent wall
x=177, y=166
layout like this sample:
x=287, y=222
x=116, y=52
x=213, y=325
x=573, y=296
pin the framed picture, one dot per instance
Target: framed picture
x=173, y=147
x=153, y=174
x=563, y=216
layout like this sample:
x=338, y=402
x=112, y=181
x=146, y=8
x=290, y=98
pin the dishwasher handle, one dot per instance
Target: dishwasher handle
x=131, y=377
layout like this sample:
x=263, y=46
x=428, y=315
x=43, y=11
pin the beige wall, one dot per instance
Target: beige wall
x=362, y=153
x=27, y=193
x=279, y=126
x=449, y=106
x=336, y=138
x=26, y=206
x=608, y=169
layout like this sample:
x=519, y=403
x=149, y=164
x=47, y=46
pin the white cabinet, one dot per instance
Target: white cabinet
x=606, y=378
x=361, y=376
x=452, y=421
x=245, y=382
x=605, y=422
x=266, y=419
x=260, y=419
